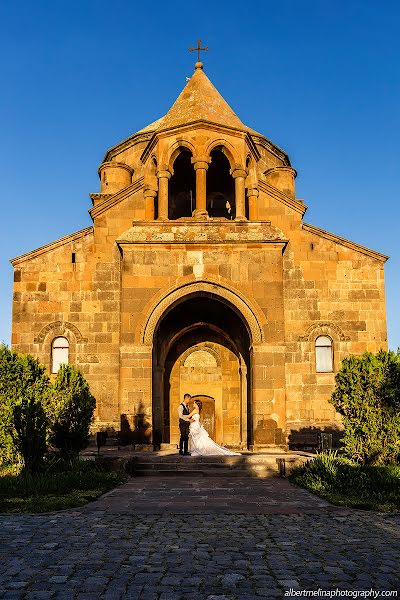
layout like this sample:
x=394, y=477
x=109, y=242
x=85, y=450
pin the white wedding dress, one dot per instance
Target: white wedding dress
x=201, y=444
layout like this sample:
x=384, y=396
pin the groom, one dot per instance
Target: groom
x=184, y=424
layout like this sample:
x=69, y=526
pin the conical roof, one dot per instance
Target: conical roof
x=198, y=101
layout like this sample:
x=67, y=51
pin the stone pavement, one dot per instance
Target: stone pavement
x=211, y=539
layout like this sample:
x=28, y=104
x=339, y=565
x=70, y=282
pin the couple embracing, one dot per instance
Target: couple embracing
x=192, y=431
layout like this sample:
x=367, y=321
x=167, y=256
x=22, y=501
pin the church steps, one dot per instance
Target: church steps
x=231, y=466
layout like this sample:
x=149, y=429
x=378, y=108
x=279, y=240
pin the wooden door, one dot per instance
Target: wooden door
x=207, y=415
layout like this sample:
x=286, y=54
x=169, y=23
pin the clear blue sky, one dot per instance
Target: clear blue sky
x=319, y=78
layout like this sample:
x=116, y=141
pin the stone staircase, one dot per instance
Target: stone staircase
x=245, y=465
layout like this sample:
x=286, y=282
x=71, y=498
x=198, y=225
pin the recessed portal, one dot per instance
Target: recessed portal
x=201, y=347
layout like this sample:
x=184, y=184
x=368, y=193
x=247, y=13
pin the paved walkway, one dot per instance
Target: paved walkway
x=215, y=539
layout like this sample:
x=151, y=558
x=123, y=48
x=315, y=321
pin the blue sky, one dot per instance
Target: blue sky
x=319, y=78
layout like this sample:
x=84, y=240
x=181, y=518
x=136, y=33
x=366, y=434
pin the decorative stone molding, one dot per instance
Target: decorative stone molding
x=326, y=328
x=238, y=171
x=226, y=147
x=161, y=173
x=59, y=328
x=200, y=163
x=204, y=347
x=113, y=164
x=171, y=154
x=200, y=358
x=249, y=313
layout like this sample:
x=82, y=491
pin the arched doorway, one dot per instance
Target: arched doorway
x=202, y=347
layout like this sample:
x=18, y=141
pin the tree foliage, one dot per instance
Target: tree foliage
x=367, y=395
x=29, y=430
x=22, y=381
x=34, y=412
x=73, y=407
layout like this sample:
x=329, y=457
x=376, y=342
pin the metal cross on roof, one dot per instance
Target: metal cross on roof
x=199, y=49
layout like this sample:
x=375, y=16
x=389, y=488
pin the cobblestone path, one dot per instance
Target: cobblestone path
x=112, y=549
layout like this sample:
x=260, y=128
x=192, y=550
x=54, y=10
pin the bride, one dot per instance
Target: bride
x=200, y=442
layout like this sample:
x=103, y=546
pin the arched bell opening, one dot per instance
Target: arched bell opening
x=182, y=187
x=202, y=347
x=220, y=186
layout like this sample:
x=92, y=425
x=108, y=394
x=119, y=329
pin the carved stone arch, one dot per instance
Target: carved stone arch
x=326, y=328
x=229, y=343
x=201, y=347
x=174, y=150
x=226, y=148
x=251, y=315
x=59, y=328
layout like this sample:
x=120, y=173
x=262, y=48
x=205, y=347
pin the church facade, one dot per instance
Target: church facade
x=199, y=275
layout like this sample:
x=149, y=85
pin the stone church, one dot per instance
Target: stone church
x=199, y=275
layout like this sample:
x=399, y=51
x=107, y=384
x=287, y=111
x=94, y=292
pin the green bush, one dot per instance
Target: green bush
x=367, y=395
x=348, y=483
x=29, y=431
x=21, y=378
x=60, y=484
x=72, y=411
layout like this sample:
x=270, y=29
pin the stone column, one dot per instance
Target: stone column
x=163, y=176
x=243, y=406
x=201, y=166
x=239, y=176
x=158, y=399
x=149, y=200
x=252, y=195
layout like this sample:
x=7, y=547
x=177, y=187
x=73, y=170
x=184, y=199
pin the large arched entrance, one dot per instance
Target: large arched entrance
x=201, y=346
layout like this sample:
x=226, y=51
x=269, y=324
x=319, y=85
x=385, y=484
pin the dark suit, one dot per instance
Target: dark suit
x=184, y=429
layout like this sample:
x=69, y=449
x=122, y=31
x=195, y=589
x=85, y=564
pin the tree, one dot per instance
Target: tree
x=29, y=431
x=23, y=382
x=72, y=412
x=367, y=395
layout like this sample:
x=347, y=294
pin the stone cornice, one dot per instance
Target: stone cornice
x=296, y=205
x=114, y=199
x=271, y=147
x=99, y=196
x=72, y=237
x=344, y=242
x=214, y=231
x=149, y=148
x=132, y=140
x=253, y=147
x=247, y=135
x=114, y=164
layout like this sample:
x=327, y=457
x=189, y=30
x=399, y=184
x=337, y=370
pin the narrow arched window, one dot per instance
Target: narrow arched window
x=323, y=354
x=59, y=353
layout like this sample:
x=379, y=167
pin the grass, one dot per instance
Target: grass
x=344, y=483
x=59, y=486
